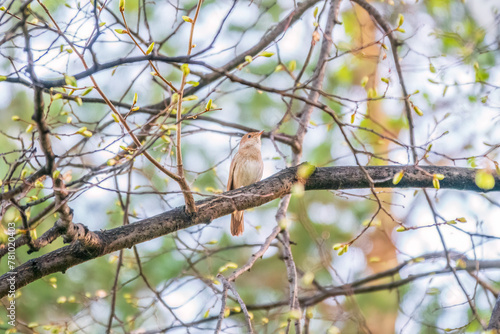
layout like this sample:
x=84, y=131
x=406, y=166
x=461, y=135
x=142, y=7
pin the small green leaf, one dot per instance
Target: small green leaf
x=432, y=68
x=337, y=246
x=372, y=93
x=266, y=54
x=418, y=111
x=185, y=69
x=57, y=96
x=88, y=90
x=401, y=20
x=209, y=105
x=81, y=130
x=460, y=263
x=187, y=19
x=343, y=250
x=305, y=170
x=485, y=180
x=248, y=59
x=150, y=48
x=190, y=98
x=435, y=183
x=397, y=177
x=229, y=265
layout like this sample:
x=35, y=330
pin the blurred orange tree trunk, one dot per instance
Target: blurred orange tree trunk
x=381, y=309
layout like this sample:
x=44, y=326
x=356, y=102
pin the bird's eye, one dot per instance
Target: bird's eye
x=249, y=136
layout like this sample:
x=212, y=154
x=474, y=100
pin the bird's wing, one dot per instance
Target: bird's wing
x=230, y=183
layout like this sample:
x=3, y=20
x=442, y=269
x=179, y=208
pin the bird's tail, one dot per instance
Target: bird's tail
x=237, y=223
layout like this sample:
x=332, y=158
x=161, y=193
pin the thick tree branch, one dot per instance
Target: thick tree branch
x=276, y=186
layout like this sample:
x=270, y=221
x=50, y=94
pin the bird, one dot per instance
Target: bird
x=246, y=168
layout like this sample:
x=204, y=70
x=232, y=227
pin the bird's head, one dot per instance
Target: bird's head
x=251, y=139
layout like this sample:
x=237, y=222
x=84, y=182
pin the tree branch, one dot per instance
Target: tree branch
x=276, y=186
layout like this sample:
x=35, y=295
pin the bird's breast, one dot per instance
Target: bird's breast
x=247, y=171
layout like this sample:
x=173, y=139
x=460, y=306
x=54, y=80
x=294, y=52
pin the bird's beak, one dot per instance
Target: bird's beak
x=260, y=133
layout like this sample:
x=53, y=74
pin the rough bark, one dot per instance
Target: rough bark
x=276, y=186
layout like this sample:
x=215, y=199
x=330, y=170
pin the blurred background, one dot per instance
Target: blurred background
x=448, y=53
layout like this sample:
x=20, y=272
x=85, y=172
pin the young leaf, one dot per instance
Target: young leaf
x=401, y=20
x=418, y=111
x=485, y=180
x=435, y=182
x=266, y=54
x=432, y=68
x=88, y=90
x=185, y=69
x=209, y=105
x=150, y=48
x=397, y=178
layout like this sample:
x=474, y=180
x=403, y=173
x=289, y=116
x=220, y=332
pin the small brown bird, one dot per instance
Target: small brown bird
x=246, y=168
